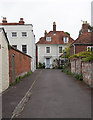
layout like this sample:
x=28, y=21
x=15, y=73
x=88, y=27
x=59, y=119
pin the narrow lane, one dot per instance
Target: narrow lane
x=57, y=95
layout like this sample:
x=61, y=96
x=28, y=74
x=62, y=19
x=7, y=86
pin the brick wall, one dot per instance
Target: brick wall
x=22, y=63
x=80, y=48
x=86, y=68
x=76, y=66
x=87, y=72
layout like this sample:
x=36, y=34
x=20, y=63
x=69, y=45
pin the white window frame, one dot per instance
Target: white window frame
x=26, y=49
x=89, y=47
x=48, y=38
x=24, y=34
x=66, y=39
x=15, y=46
x=58, y=49
x=46, y=49
x=14, y=35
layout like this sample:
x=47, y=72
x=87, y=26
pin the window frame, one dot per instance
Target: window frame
x=47, y=50
x=24, y=35
x=14, y=36
x=91, y=47
x=48, y=39
x=59, y=49
x=24, y=48
x=15, y=46
x=66, y=39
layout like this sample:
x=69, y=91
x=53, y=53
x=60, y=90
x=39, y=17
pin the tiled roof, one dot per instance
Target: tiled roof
x=55, y=39
x=84, y=38
x=11, y=24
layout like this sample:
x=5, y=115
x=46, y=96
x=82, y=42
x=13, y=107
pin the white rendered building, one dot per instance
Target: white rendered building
x=4, y=61
x=51, y=45
x=21, y=36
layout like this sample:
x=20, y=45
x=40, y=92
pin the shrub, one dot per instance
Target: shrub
x=78, y=76
x=41, y=65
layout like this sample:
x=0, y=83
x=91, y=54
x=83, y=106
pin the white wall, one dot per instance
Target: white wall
x=0, y=63
x=19, y=40
x=54, y=52
x=4, y=57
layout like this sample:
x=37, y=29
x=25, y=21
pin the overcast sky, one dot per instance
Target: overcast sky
x=42, y=13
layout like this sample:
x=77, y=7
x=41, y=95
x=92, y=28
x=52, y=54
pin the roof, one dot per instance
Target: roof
x=83, y=39
x=55, y=39
x=15, y=24
x=2, y=29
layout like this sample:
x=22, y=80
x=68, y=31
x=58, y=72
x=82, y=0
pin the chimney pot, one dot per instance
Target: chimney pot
x=54, y=27
x=21, y=21
x=45, y=33
x=85, y=26
x=4, y=20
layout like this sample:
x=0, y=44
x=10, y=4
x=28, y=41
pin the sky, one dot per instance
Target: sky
x=68, y=14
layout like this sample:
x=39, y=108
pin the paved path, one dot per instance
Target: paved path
x=57, y=95
x=13, y=95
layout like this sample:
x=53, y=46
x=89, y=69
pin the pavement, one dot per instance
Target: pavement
x=47, y=94
x=13, y=95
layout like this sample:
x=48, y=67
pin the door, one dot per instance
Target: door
x=47, y=62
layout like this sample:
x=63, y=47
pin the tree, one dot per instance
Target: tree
x=89, y=27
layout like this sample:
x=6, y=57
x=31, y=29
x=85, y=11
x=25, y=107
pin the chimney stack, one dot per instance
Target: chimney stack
x=54, y=27
x=85, y=27
x=4, y=20
x=21, y=21
x=45, y=33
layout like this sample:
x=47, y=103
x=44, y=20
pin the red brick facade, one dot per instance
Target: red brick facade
x=83, y=41
x=77, y=48
x=22, y=63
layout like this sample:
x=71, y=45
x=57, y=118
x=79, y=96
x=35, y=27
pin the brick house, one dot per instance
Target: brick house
x=83, y=42
x=21, y=36
x=51, y=45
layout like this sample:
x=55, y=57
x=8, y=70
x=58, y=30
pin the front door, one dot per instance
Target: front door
x=47, y=62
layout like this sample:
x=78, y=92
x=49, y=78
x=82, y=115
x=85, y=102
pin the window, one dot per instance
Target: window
x=66, y=39
x=24, y=34
x=90, y=48
x=47, y=49
x=60, y=49
x=14, y=34
x=48, y=38
x=15, y=46
x=24, y=48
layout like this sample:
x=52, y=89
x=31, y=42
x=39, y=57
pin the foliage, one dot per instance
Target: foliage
x=86, y=56
x=67, y=33
x=67, y=50
x=56, y=64
x=78, y=76
x=89, y=27
x=9, y=47
x=41, y=65
x=18, y=79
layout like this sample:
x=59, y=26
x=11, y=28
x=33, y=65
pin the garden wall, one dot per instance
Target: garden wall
x=19, y=64
x=86, y=68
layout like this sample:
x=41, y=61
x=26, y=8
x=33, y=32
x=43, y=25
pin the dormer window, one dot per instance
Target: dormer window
x=54, y=33
x=66, y=39
x=48, y=38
